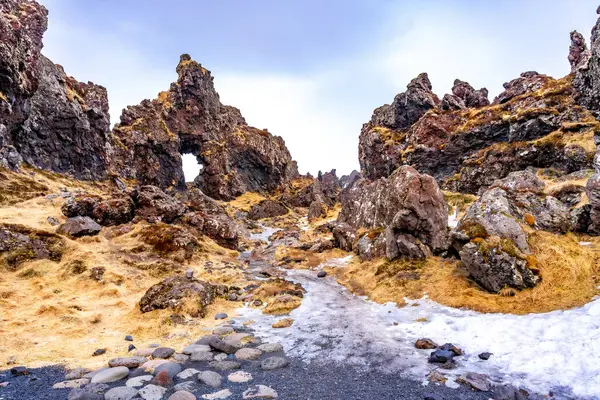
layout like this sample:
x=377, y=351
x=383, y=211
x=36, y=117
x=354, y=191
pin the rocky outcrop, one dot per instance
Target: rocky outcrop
x=497, y=252
x=47, y=119
x=587, y=74
x=19, y=244
x=189, y=118
x=176, y=292
x=154, y=205
x=267, y=209
x=348, y=180
x=578, y=51
x=466, y=143
x=22, y=25
x=109, y=212
x=408, y=208
x=79, y=226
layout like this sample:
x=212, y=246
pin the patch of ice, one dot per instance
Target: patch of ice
x=453, y=219
x=557, y=351
x=585, y=243
x=265, y=234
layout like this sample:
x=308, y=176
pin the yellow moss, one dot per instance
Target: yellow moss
x=529, y=219
x=569, y=272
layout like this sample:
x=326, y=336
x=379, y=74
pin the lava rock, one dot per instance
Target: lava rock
x=80, y=226
x=485, y=356
x=321, y=274
x=98, y=352
x=425, y=344
x=441, y=356
x=172, y=291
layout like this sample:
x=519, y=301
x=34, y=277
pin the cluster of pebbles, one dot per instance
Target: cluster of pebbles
x=198, y=371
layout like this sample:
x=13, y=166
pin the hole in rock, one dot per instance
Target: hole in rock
x=191, y=167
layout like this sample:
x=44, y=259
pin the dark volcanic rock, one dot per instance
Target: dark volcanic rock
x=189, y=118
x=155, y=205
x=408, y=206
x=497, y=255
x=49, y=119
x=22, y=25
x=407, y=107
x=587, y=76
x=173, y=291
x=317, y=209
x=466, y=143
x=578, y=51
x=19, y=244
x=267, y=209
x=348, y=180
x=114, y=211
x=80, y=226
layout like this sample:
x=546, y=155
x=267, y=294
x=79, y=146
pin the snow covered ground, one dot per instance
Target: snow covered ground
x=558, y=351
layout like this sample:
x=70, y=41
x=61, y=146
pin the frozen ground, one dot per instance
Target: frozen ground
x=558, y=351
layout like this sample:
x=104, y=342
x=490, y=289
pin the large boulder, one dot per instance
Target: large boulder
x=19, y=244
x=79, y=226
x=106, y=212
x=408, y=207
x=175, y=292
x=189, y=118
x=154, y=205
x=267, y=209
x=495, y=265
x=492, y=243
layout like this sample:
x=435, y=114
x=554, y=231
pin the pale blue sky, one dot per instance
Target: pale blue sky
x=311, y=71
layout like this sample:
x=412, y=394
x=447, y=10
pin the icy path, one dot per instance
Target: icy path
x=557, y=351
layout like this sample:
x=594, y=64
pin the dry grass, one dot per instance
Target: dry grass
x=569, y=279
x=245, y=202
x=458, y=202
x=54, y=312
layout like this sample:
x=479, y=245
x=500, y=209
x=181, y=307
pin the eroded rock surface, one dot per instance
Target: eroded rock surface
x=189, y=118
x=174, y=291
x=408, y=208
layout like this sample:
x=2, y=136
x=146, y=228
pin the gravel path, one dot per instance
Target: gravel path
x=297, y=381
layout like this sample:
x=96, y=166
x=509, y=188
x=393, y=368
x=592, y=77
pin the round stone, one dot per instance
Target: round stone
x=321, y=274
x=77, y=373
x=240, y=377
x=273, y=363
x=188, y=386
x=144, y=352
x=221, y=316
x=248, y=354
x=138, y=381
x=129, y=362
x=225, y=365
x=270, y=347
x=220, y=357
x=152, y=392
x=121, y=393
x=182, y=395
x=194, y=348
x=171, y=368
x=210, y=378
x=163, y=352
x=187, y=373
x=72, y=384
x=111, y=375
x=222, y=330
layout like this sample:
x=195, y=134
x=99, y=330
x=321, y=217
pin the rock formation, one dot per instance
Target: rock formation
x=174, y=292
x=497, y=252
x=466, y=143
x=47, y=119
x=189, y=118
x=587, y=84
x=404, y=215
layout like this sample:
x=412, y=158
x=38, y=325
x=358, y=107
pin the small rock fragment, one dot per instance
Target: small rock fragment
x=19, y=371
x=121, y=393
x=321, y=274
x=98, y=352
x=221, y=316
x=425, y=344
x=270, y=347
x=283, y=323
x=485, y=356
x=441, y=356
x=139, y=381
x=152, y=392
x=163, y=353
x=221, y=394
x=248, y=354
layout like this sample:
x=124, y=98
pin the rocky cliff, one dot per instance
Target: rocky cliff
x=189, y=118
x=47, y=119
x=466, y=143
x=51, y=121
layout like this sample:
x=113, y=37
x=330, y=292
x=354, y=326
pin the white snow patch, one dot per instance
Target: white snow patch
x=585, y=243
x=453, y=219
x=557, y=351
